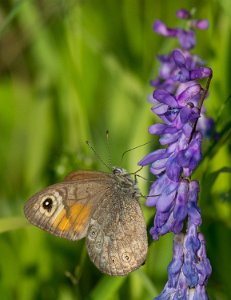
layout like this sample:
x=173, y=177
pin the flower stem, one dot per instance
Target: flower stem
x=203, y=95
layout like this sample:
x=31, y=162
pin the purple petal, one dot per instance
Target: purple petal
x=165, y=202
x=182, y=87
x=165, y=71
x=171, y=225
x=185, y=114
x=186, y=38
x=191, y=246
x=192, y=242
x=177, y=226
x=193, y=209
x=183, y=75
x=161, y=218
x=162, y=29
x=189, y=113
x=160, y=227
x=153, y=156
x=201, y=24
x=175, y=266
x=167, y=66
x=163, y=58
x=180, y=210
x=161, y=129
x=190, y=272
x=160, y=163
x=151, y=200
x=154, y=234
x=182, y=143
x=187, y=130
x=169, y=138
x=169, y=85
x=190, y=158
x=187, y=172
x=188, y=94
x=183, y=14
x=173, y=169
x=181, y=294
x=178, y=122
x=163, y=185
x=165, y=97
x=167, y=227
x=160, y=109
x=157, y=172
x=195, y=114
x=204, y=266
x=189, y=62
x=200, y=293
x=166, y=294
x=200, y=73
x=171, y=115
x=178, y=58
x=194, y=189
x=155, y=82
x=152, y=100
x=172, y=147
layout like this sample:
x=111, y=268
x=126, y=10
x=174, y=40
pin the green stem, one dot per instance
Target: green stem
x=203, y=95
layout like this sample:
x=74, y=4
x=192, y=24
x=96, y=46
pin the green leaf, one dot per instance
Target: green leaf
x=208, y=183
x=212, y=177
x=11, y=15
x=9, y=224
x=107, y=287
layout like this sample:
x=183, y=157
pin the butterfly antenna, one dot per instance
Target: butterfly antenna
x=125, y=152
x=97, y=155
x=108, y=149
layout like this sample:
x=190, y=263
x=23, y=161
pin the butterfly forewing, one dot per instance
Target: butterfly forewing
x=70, y=210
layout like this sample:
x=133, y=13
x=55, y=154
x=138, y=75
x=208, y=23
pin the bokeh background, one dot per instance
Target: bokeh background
x=69, y=71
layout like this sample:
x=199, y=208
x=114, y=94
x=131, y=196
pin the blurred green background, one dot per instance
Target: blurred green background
x=70, y=70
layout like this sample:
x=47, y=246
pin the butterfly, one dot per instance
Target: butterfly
x=104, y=208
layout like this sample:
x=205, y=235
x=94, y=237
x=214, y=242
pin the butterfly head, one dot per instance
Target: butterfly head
x=128, y=184
x=119, y=171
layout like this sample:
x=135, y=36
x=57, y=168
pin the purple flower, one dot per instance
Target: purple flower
x=178, y=101
x=199, y=293
x=183, y=14
x=174, y=201
x=184, y=280
x=186, y=38
x=179, y=111
x=187, y=70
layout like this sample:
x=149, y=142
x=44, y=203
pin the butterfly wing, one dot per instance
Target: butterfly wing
x=64, y=209
x=117, y=238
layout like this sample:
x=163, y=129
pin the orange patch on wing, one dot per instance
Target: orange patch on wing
x=78, y=213
x=62, y=222
x=83, y=211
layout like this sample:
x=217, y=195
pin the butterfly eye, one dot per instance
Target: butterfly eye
x=47, y=204
x=116, y=170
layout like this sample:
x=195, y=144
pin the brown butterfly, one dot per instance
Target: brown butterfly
x=104, y=208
